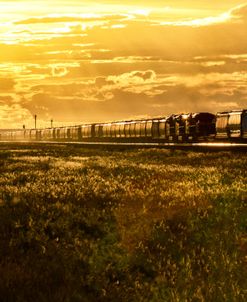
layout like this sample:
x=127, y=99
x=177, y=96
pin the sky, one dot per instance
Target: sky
x=77, y=61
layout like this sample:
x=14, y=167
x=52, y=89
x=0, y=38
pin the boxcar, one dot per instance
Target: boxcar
x=237, y=124
x=222, y=125
x=231, y=125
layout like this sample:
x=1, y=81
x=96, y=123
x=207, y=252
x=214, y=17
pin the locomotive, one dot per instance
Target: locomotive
x=176, y=128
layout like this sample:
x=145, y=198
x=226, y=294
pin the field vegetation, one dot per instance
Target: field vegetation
x=132, y=225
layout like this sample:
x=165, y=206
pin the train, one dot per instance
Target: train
x=227, y=126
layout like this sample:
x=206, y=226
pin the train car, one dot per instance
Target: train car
x=32, y=134
x=201, y=126
x=191, y=127
x=46, y=134
x=231, y=125
x=74, y=133
x=19, y=135
x=63, y=133
x=182, y=127
x=127, y=129
x=222, y=125
x=155, y=129
x=163, y=128
x=172, y=128
x=87, y=131
x=117, y=130
x=106, y=130
x=132, y=129
x=98, y=131
x=237, y=124
x=149, y=127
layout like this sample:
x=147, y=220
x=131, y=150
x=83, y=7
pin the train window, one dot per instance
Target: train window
x=149, y=128
x=138, y=129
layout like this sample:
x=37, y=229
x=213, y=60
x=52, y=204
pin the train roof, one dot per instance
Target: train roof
x=232, y=112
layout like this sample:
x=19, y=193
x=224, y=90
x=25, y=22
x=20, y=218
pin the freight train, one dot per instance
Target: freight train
x=176, y=128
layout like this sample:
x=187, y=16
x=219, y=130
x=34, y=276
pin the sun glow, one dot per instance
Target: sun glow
x=103, y=60
x=200, y=22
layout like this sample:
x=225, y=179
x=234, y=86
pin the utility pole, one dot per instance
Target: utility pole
x=35, y=121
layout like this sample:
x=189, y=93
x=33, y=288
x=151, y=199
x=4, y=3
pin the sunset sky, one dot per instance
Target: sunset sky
x=77, y=61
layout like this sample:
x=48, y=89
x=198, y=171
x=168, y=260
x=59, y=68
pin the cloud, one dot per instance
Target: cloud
x=133, y=77
x=5, y=100
x=14, y=116
x=74, y=73
x=7, y=84
x=58, y=71
x=239, y=13
x=119, y=103
x=102, y=81
x=73, y=18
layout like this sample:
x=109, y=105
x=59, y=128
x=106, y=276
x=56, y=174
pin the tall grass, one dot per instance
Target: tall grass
x=146, y=225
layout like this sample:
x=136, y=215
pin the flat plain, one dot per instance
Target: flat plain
x=82, y=224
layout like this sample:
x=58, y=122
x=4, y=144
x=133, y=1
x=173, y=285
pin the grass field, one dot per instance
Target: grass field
x=139, y=225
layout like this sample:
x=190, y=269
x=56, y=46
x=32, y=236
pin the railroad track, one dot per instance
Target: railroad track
x=201, y=146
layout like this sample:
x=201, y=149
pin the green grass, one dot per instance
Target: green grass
x=140, y=225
